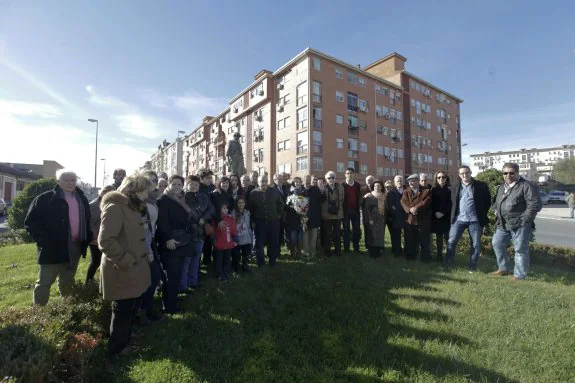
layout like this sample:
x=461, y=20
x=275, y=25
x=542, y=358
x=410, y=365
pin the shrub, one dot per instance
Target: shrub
x=15, y=237
x=493, y=178
x=20, y=204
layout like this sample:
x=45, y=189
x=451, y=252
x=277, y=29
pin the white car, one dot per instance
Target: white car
x=3, y=207
x=558, y=196
x=544, y=197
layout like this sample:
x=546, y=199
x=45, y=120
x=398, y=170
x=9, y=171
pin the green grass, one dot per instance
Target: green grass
x=349, y=319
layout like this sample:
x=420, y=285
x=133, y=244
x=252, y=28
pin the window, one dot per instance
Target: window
x=339, y=119
x=338, y=96
x=378, y=110
x=379, y=150
x=363, y=147
x=316, y=89
x=317, y=117
x=302, y=143
x=317, y=141
x=257, y=91
x=283, y=145
x=380, y=90
x=399, y=115
x=339, y=73
x=302, y=118
x=400, y=153
x=385, y=131
x=379, y=129
x=340, y=167
x=362, y=105
x=301, y=94
x=361, y=82
x=339, y=143
x=351, y=164
x=393, y=172
x=316, y=63
x=352, y=122
x=317, y=163
x=352, y=144
x=301, y=163
x=363, y=169
x=363, y=125
x=386, y=172
x=284, y=168
x=352, y=78
x=285, y=123
x=352, y=102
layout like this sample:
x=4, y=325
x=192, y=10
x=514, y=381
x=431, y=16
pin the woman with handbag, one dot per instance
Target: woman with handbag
x=174, y=239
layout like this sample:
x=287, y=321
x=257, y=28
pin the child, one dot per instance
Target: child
x=245, y=236
x=224, y=244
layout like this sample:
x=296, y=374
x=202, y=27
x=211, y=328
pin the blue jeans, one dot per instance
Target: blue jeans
x=296, y=239
x=267, y=234
x=520, y=237
x=351, y=226
x=455, y=233
x=191, y=268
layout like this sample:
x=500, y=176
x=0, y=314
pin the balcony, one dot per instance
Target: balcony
x=352, y=108
x=353, y=131
x=316, y=98
x=316, y=124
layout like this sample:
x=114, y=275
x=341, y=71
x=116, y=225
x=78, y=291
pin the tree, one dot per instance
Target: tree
x=20, y=204
x=493, y=178
x=564, y=171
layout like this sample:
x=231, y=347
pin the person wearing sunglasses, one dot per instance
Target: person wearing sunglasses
x=516, y=205
x=440, y=211
x=332, y=214
x=470, y=201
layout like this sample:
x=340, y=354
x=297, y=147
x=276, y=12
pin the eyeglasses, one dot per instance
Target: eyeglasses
x=441, y=177
x=509, y=173
x=330, y=178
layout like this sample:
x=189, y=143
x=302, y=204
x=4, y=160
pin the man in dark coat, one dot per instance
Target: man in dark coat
x=470, y=200
x=58, y=220
x=395, y=217
x=313, y=216
x=416, y=203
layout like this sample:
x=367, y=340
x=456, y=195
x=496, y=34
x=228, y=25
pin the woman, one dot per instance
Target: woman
x=441, y=211
x=201, y=212
x=313, y=217
x=175, y=243
x=375, y=218
x=222, y=194
x=293, y=224
x=395, y=216
x=95, y=253
x=125, y=274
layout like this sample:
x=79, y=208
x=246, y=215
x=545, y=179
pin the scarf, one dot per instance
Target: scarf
x=380, y=202
x=180, y=199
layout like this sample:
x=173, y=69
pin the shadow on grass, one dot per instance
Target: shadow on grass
x=332, y=320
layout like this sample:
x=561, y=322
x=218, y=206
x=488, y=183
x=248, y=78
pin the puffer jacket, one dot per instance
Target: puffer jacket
x=518, y=206
x=200, y=208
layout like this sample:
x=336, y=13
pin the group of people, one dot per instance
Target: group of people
x=150, y=233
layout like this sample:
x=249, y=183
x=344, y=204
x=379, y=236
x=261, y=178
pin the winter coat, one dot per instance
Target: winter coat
x=48, y=223
x=293, y=219
x=314, y=211
x=225, y=237
x=201, y=208
x=171, y=216
x=336, y=196
x=125, y=271
x=266, y=206
x=481, y=200
x=422, y=202
x=375, y=231
x=395, y=214
x=245, y=234
x=207, y=190
x=219, y=198
x=517, y=207
x=440, y=202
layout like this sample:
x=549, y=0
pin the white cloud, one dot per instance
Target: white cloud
x=20, y=108
x=105, y=100
x=139, y=125
x=155, y=99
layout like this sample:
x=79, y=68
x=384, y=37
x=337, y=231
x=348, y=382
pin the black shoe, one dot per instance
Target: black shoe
x=154, y=316
x=178, y=310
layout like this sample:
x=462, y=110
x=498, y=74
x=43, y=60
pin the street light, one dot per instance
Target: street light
x=180, y=132
x=104, y=174
x=96, y=153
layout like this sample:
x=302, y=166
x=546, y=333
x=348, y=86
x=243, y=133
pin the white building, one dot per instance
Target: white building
x=532, y=162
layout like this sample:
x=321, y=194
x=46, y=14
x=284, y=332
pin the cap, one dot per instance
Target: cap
x=413, y=177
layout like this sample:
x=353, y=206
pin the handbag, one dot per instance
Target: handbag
x=182, y=237
x=333, y=206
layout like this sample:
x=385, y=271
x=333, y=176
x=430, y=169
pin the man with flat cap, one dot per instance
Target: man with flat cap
x=416, y=202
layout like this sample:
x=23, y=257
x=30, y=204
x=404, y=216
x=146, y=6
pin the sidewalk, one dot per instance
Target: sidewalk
x=557, y=212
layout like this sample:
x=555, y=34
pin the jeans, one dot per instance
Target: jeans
x=520, y=237
x=417, y=236
x=156, y=277
x=123, y=312
x=331, y=234
x=65, y=272
x=241, y=253
x=95, y=259
x=296, y=240
x=191, y=267
x=310, y=241
x=351, y=219
x=395, y=235
x=223, y=260
x=455, y=233
x=173, y=266
x=267, y=233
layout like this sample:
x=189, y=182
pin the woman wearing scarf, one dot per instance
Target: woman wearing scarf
x=441, y=211
x=293, y=224
x=374, y=212
x=173, y=215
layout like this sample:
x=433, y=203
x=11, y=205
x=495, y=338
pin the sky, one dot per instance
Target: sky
x=146, y=69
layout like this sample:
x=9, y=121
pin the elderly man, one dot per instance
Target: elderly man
x=423, y=181
x=119, y=175
x=58, y=220
x=332, y=213
x=266, y=208
x=416, y=203
x=351, y=209
x=516, y=205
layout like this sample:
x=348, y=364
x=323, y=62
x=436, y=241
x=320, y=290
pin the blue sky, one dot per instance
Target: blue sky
x=147, y=69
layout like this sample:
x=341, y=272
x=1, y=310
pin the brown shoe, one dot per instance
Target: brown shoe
x=500, y=273
x=516, y=279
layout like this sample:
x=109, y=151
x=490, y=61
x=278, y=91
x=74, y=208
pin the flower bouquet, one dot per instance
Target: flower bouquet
x=301, y=206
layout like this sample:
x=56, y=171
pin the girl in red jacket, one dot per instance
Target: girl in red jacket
x=224, y=244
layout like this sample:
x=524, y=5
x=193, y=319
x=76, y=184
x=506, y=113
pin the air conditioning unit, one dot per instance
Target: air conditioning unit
x=379, y=114
x=387, y=116
x=280, y=108
x=261, y=93
x=235, y=109
x=280, y=86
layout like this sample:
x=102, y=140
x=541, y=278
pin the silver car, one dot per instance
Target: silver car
x=558, y=196
x=544, y=197
x=3, y=207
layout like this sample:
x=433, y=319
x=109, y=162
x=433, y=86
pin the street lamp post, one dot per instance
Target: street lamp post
x=96, y=153
x=104, y=174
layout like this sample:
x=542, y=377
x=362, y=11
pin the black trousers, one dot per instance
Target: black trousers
x=416, y=237
x=395, y=235
x=173, y=265
x=123, y=312
x=95, y=259
x=332, y=235
x=241, y=252
x=440, y=239
x=207, y=250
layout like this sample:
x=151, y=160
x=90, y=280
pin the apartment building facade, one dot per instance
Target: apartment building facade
x=533, y=163
x=317, y=113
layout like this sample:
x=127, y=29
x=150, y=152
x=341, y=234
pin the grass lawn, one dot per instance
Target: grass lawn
x=348, y=319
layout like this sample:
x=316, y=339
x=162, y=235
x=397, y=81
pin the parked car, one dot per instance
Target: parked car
x=3, y=207
x=544, y=197
x=558, y=196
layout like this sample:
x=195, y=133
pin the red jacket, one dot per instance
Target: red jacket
x=225, y=238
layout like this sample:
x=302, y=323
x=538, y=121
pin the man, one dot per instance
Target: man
x=416, y=203
x=516, y=205
x=351, y=207
x=280, y=186
x=332, y=213
x=207, y=187
x=254, y=179
x=162, y=186
x=470, y=201
x=395, y=217
x=119, y=175
x=423, y=182
x=247, y=187
x=58, y=220
x=266, y=208
x=571, y=204
x=398, y=182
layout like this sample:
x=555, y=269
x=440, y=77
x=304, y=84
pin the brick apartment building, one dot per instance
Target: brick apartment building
x=317, y=113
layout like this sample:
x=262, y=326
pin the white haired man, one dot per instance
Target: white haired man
x=58, y=221
x=332, y=213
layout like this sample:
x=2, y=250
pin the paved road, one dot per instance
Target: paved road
x=554, y=227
